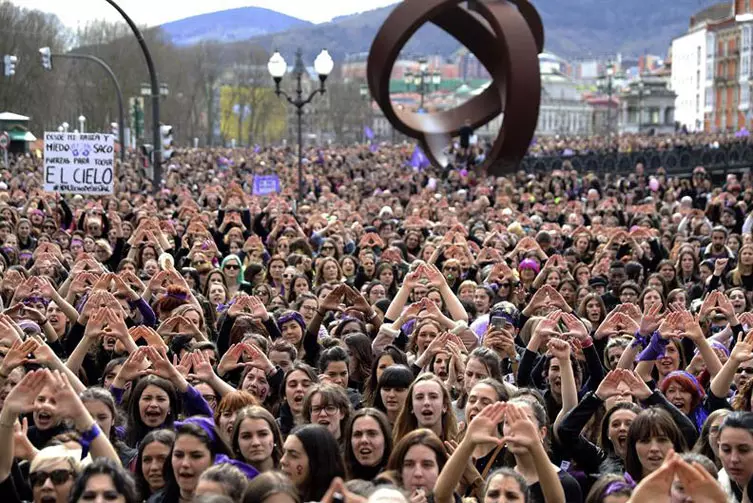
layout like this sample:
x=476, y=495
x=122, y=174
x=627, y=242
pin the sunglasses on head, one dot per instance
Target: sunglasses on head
x=58, y=477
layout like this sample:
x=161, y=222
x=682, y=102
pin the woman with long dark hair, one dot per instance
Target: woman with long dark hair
x=360, y=357
x=392, y=391
x=153, y=452
x=311, y=459
x=391, y=355
x=104, y=479
x=197, y=446
x=368, y=444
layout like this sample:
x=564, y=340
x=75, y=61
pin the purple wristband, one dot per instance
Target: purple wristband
x=639, y=340
x=655, y=349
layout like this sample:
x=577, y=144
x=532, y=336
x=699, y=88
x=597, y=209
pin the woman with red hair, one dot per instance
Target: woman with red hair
x=684, y=391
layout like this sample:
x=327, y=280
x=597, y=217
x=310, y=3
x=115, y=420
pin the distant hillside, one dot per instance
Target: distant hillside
x=230, y=25
x=574, y=29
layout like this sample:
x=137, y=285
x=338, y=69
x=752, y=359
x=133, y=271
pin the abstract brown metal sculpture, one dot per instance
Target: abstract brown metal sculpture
x=506, y=37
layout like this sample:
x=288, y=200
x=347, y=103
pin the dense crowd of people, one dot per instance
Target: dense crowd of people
x=624, y=143
x=389, y=334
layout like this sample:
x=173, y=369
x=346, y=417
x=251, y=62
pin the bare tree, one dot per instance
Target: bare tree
x=348, y=109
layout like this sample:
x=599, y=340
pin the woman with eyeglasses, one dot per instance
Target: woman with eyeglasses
x=264, y=292
x=288, y=274
x=231, y=267
x=328, y=249
x=52, y=469
x=328, y=405
x=307, y=303
x=52, y=475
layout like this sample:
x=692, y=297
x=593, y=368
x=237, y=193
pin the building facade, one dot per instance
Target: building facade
x=563, y=110
x=725, y=90
x=688, y=78
x=744, y=19
x=648, y=105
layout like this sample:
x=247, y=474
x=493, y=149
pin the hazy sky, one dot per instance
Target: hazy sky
x=153, y=12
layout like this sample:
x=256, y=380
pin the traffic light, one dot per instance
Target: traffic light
x=10, y=65
x=166, y=132
x=46, y=54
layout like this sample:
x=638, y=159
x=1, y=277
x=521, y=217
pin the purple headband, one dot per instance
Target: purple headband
x=178, y=295
x=33, y=299
x=76, y=240
x=294, y=316
x=696, y=384
x=207, y=424
x=699, y=414
x=717, y=345
x=529, y=264
x=619, y=486
x=29, y=325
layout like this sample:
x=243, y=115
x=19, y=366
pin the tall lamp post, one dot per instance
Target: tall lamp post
x=425, y=81
x=277, y=67
x=157, y=154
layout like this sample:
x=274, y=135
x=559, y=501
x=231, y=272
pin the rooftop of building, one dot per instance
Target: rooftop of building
x=712, y=14
x=716, y=12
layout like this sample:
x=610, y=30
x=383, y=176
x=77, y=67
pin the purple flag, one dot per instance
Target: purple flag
x=373, y=147
x=257, y=149
x=418, y=160
x=368, y=133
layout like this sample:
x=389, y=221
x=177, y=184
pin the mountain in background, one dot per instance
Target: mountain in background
x=573, y=29
x=230, y=25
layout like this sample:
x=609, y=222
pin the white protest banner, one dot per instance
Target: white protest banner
x=79, y=163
